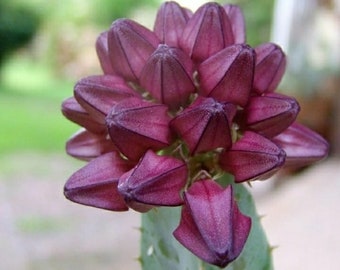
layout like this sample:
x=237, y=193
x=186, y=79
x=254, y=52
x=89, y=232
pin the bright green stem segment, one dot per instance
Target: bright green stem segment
x=160, y=250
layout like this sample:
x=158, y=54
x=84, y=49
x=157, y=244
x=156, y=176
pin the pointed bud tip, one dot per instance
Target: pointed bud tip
x=211, y=226
x=155, y=180
x=130, y=45
x=170, y=21
x=302, y=145
x=207, y=32
x=95, y=184
x=205, y=125
x=228, y=75
x=270, y=114
x=269, y=69
x=136, y=125
x=261, y=156
x=167, y=75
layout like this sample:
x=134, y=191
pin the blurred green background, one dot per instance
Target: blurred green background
x=43, y=51
x=46, y=46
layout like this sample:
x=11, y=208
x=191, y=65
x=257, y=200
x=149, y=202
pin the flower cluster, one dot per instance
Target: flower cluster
x=175, y=109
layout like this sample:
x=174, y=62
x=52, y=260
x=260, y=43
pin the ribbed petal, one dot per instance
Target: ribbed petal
x=102, y=50
x=96, y=183
x=212, y=227
x=168, y=76
x=97, y=94
x=136, y=125
x=252, y=157
x=170, y=22
x=130, y=45
x=155, y=180
x=190, y=237
x=302, y=145
x=237, y=22
x=271, y=114
x=228, y=75
x=205, y=125
x=270, y=67
x=85, y=145
x=207, y=32
x=72, y=110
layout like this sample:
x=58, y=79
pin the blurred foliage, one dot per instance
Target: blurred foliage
x=69, y=29
x=32, y=123
x=109, y=10
x=258, y=16
x=79, y=12
x=18, y=24
x=30, y=115
x=258, y=20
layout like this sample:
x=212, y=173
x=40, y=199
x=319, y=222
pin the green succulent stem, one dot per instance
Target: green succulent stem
x=160, y=250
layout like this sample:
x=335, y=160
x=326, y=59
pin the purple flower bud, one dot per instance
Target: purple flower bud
x=228, y=75
x=212, y=227
x=75, y=113
x=252, y=157
x=271, y=114
x=207, y=32
x=155, y=180
x=96, y=183
x=236, y=19
x=302, y=145
x=130, y=45
x=205, y=125
x=170, y=22
x=97, y=94
x=102, y=50
x=168, y=76
x=136, y=125
x=270, y=67
x=85, y=145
